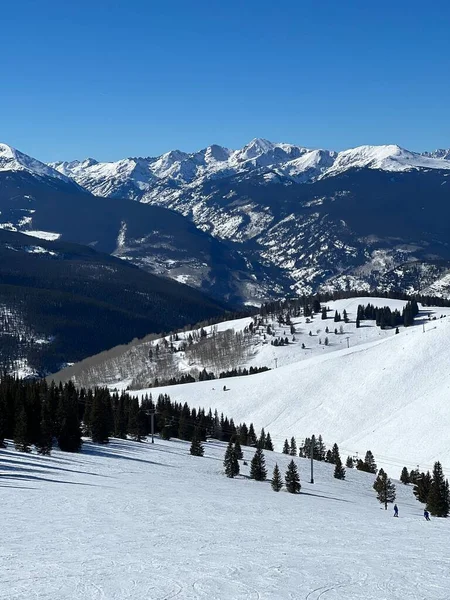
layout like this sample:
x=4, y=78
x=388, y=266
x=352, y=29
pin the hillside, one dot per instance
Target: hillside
x=158, y=523
x=154, y=238
x=386, y=392
x=61, y=302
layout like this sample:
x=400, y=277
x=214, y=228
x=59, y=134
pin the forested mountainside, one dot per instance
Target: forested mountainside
x=61, y=302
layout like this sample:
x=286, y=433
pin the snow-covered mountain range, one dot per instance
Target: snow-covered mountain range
x=283, y=160
x=295, y=219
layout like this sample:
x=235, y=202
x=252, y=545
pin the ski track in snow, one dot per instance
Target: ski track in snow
x=128, y=520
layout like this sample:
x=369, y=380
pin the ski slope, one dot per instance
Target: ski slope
x=130, y=521
x=386, y=392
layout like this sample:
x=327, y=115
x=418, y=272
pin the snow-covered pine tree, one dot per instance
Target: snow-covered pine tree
x=258, y=469
x=276, y=482
x=438, y=500
x=231, y=463
x=293, y=447
x=286, y=448
x=404, y=476
x=292, y=478
x=385, y=489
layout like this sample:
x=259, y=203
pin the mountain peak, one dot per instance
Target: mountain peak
x=14, y=160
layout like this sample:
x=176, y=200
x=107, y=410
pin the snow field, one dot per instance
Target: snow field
x=131, y=520
x=386, y=392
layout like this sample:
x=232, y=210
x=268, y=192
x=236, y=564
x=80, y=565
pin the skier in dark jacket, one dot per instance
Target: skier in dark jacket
x=395, y=510
x=426, y=514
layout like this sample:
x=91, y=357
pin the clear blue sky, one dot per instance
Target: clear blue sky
x=115, y=78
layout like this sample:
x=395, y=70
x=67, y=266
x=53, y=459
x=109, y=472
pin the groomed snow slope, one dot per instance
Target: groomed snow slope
x=134, y=521
x=389, y=395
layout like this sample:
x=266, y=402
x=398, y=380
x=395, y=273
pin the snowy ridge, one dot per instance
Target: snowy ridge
x=286, y=160
x=14, y=160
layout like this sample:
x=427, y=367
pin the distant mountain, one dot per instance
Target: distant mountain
x=314, y=218
x=62, y=302
x=157, y=239
x=442, y=153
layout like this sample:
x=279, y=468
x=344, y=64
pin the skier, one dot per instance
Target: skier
x=426, y=514
x=395, y=510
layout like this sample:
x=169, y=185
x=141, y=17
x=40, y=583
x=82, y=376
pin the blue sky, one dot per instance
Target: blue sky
x=114, y=78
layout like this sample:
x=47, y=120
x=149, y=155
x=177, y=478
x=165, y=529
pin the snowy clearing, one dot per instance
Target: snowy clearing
x=130, y=520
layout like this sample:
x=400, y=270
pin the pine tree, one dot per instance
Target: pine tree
x=324, y=313
x=69, y=438
x=286, y=449
x=349, y=462
x=438, y=500
x=196, y=446
x=268, y=445
x=335, y=454
x=277, y=482
x=339, y=470
x=292, y=478
x=120, y=419
x=370, y=463
x=44, y=446
x=404, y=477
x=251, y=436
x=133, y=420
x=422, y=486
x=243, y=434
x=258, y=469
x=262, y=439
x=22, y=441
x=385, y=489
x=231, y=463
x=237, y=448
x=293, y=447
x=99, y=418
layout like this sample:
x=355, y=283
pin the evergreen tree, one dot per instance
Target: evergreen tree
x=277, y=482
x=231, y=463
x=258, y=469
x=438, y=500
x=99, y=418
x=370, y=463
x=413, y=475
x=324, y=313
x=292, y=478
x=339, y=470
x=329, y=457
x=133, y=420
x=422, y=486
x=262, y=439
x=335, y=454
x=238, y=449
x=404, y=477
x=3, y=420
x=251, y=436
x=196, y=446
x=293, y=447
x=243, y=434
x=22, y=440
x=69, y=438
x=44, y=446
x=385, y=489
x=358, y=324
x=268, y=445
x=286, y=449
x=120, y=419
x=349, y=462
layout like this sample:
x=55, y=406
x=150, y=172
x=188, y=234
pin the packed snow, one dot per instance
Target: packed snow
x=130, y=520
x=51, y=236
